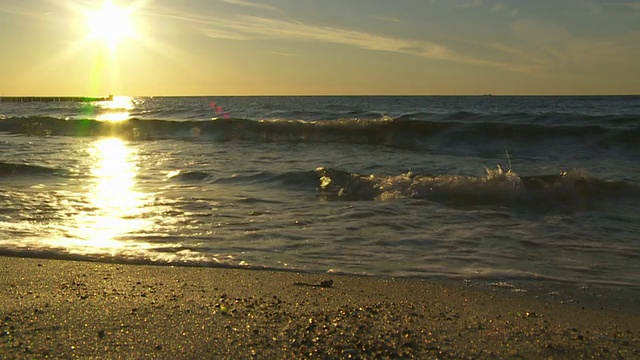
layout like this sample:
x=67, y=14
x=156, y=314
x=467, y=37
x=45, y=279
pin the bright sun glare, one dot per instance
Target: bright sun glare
x=117, y=204
x=111, y=24
x=116, y=110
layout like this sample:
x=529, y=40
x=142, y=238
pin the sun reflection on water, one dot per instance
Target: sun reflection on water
x=116, y=208
x=117, y=109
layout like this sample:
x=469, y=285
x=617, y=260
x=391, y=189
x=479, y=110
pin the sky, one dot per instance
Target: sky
x=320, y=47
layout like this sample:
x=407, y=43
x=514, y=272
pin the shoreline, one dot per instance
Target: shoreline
x=63, y=309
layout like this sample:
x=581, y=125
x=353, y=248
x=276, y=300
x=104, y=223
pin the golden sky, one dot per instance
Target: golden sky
x=317, y=47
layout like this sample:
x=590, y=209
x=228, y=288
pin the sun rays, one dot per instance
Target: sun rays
x=109, y=31
x=111, y=24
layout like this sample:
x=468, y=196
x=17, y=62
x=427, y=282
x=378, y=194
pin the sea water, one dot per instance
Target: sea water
x=484, y=189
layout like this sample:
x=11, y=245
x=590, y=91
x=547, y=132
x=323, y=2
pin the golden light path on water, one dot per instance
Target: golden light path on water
x=103, y=213
x=117, y=204
x=115, y=208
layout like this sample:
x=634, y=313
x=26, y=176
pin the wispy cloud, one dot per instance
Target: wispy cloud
x=225, y=34
x=470, y=4
x=260, y=28
x=552, y=48
x=285, y=54
x=620, y=6
x=252, y=5
x=496, y=7
x=252, y=28
x=22, y=12
x=384, y=18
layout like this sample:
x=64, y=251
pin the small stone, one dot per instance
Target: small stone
x=326, y=283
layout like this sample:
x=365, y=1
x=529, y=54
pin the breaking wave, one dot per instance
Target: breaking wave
x=573, y=189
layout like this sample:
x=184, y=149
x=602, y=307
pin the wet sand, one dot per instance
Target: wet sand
x=68, y=309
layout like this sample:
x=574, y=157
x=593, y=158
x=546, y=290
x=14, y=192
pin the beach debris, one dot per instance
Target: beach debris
x=322, y=284
x=501, y=284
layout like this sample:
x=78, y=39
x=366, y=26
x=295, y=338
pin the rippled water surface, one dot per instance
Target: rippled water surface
x=539, y=189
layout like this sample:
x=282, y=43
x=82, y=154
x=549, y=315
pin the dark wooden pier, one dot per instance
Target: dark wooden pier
x=53, y=99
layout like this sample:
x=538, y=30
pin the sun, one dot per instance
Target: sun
x=111, y=24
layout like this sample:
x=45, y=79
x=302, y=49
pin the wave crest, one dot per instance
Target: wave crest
x=574, y=188
x=17, y=169
x=399, y=132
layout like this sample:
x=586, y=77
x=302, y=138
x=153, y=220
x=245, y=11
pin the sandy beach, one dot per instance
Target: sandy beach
x=68, y=309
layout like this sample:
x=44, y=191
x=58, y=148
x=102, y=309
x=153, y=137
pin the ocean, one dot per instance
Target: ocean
x=512, y=192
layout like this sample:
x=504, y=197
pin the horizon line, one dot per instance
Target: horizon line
x=318, y=95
